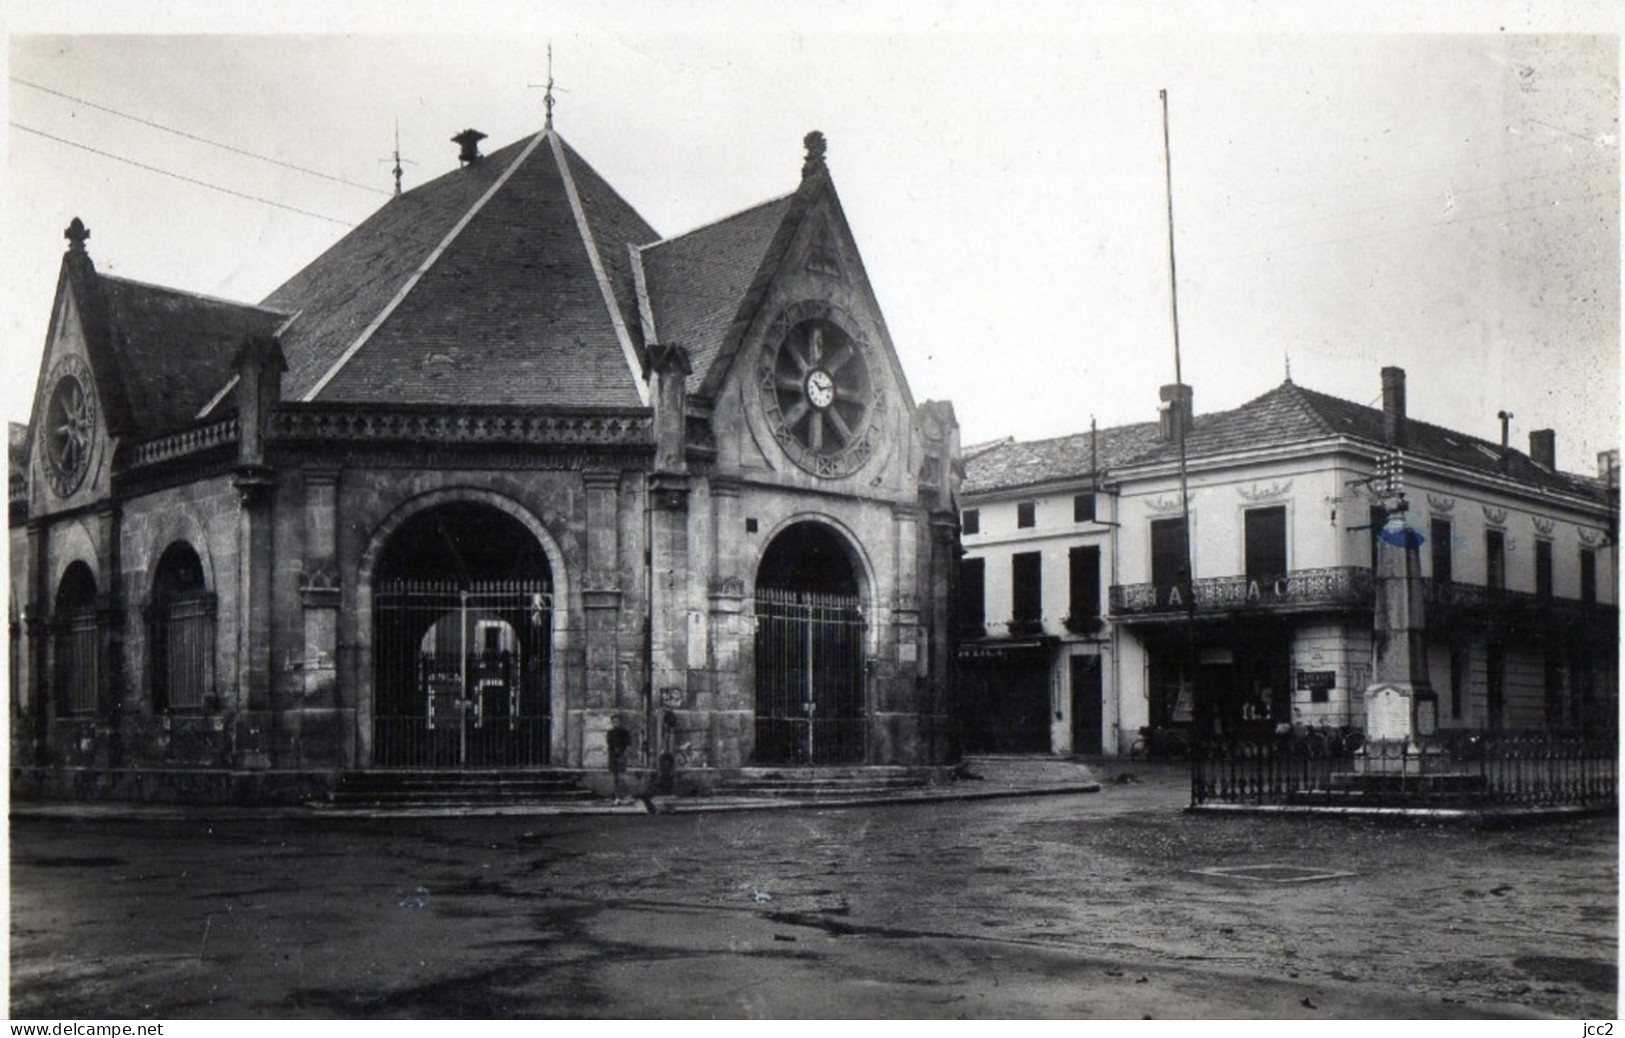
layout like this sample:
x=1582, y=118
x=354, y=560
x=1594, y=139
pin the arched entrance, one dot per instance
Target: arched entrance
x=462, y=642
x=182, y=629
x=78, y=642
x=809, y=651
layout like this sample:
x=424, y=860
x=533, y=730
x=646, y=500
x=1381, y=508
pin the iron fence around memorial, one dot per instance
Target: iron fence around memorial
x=1463, y=769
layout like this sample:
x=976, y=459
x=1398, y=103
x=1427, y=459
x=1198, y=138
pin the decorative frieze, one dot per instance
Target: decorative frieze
x=1256, y=493
x=464, y=428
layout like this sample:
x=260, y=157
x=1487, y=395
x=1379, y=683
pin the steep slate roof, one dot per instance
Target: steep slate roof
x=699, y=282
x=175, y=348
x=1008, y=464
x=479, y=287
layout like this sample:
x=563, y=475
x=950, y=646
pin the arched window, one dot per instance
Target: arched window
x=182, y=621
x=78, y=641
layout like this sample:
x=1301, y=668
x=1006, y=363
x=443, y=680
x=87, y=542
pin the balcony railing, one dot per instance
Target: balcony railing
x=1350, y=587
x=1333, y=587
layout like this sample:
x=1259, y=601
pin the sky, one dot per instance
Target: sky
x=1353, y=186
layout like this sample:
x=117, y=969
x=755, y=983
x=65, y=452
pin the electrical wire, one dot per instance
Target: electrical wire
x=195, y=137
x=180, y=176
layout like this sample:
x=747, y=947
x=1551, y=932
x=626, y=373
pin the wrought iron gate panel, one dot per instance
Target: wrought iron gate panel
x=809, y=678
x=461, y=674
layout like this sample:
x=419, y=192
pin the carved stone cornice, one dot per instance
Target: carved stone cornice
x=601, y=479
x=728, y=587
x=188, y=441
x=444, y=427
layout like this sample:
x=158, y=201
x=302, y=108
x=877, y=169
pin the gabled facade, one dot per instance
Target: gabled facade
x=501, y=466
x=1251, y=606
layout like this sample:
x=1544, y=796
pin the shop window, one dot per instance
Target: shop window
x=970, y=520
x=1543, y=569
x=1495, y=688
x=78, y=641
x=1458, y=681
x=1439, y=536
x=1265, y=544
x=1084, y=573
x=1026, y=514
x=1495, y=559
x=1026, y=589
x=973, y=596
x=1083, y=508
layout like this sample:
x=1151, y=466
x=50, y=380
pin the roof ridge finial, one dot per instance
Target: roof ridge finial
x=397, y=170
x=1288, y=366
x=814, y=162
x=547, y=98
x=77, y=234
x=547, y=88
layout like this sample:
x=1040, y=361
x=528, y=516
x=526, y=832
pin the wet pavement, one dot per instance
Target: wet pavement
x=1113, y=904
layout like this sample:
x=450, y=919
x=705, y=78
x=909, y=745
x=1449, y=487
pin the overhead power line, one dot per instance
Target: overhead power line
x=182, y=177
x=195, y=137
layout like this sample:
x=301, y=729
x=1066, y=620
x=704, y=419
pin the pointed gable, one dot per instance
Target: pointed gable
x=505, y=282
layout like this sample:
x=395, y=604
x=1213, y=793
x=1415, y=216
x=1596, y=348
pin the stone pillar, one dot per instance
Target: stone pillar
x=731, y=630
x=1399, y=702
x=110, y=638
x=318, y=727
x=36, y=617
x=260, y=364
x=668, y=607
x=601, y=599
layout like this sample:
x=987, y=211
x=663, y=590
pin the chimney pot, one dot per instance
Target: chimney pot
x=1393, y=406
x=1543, y=448
x=469, y=143
x=1177, y=410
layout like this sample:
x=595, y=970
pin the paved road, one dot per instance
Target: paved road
x=1100, y=905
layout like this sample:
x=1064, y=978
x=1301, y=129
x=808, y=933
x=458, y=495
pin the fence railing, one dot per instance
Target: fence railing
x=1449, y=769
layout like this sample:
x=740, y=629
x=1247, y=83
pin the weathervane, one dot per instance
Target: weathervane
x=547, y=98
x=397, y=171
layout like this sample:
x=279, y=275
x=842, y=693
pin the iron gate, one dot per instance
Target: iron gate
x=461, y=674
x=809, y=678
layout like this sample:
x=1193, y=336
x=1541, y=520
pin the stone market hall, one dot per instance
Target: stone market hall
x=500, y=467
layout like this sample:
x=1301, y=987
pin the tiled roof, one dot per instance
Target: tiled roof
x=1286, y=415
x=1008, y=464
x=509, y=311
x=177, y=346
x=1289, y=414
x=699, y=283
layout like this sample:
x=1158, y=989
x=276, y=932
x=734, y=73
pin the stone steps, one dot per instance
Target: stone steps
x=823, y=783
x=452, y=787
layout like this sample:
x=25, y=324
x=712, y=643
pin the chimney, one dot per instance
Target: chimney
x=1176, y=411
x=1543, y=448
x=1393, y=406
x=469, y=142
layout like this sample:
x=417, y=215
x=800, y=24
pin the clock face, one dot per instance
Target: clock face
x=819, y=392
x=69, y=429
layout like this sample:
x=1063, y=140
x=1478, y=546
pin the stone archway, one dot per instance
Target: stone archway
x=811, y=697
x=462, y=640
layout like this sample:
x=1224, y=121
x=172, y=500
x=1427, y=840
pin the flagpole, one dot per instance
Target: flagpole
x=1181, y=406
